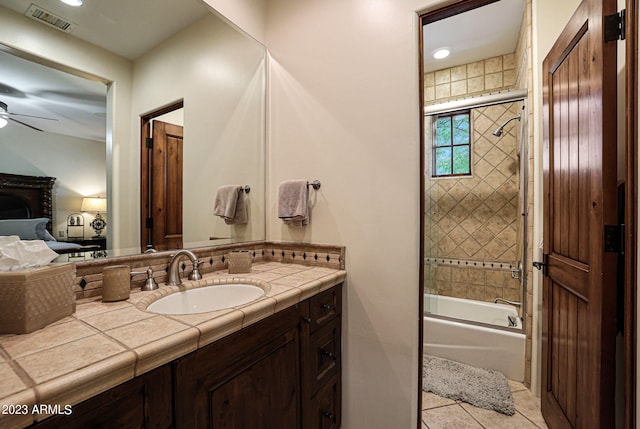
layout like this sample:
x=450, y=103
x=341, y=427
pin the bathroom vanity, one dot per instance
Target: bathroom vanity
x=273, y=362
x=283, y=371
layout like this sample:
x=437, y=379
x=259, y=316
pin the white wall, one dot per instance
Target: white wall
x=245, y=14
x=77, y=164
x=220, y=76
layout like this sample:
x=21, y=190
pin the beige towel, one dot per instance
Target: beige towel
x=230, y=205
x=293, y=202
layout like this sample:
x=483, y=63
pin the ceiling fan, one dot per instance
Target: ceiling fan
x=5, y=116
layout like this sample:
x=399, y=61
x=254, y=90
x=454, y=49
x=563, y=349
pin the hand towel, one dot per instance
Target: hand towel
x=240, y=216
x=230, y=205
x=293, y=202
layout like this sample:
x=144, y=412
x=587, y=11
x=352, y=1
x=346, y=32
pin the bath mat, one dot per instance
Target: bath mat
x=483, y=388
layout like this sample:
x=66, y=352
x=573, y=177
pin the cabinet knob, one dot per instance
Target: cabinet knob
x=328, y=415
x=326, y=306
x=328, y=354
x=307, y=319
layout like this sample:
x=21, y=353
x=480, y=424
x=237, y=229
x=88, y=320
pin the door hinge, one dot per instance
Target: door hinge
x=615, y=26
x=614, y=238
x=149, y=142
x=148, y=222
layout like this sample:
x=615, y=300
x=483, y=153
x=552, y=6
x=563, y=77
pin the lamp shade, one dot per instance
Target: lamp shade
x=94, y=205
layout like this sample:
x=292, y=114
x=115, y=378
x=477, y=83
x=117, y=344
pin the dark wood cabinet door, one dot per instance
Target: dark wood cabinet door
x=248, y=380
x=264, y=393
x=144, y=402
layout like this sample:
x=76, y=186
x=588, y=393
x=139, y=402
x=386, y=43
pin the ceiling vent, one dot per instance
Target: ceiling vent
x=48, y=18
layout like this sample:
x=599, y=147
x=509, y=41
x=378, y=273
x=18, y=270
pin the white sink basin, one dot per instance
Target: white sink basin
x=208, y=298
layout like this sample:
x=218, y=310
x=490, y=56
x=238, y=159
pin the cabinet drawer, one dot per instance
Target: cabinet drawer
x=324, y=354
x=324, y=412
x=325, y=306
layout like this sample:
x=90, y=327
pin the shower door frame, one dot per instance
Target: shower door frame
x=512, y=96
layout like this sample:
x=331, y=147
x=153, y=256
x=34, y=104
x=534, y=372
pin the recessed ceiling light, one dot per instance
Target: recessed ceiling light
x=441, y=53
x=74, y=3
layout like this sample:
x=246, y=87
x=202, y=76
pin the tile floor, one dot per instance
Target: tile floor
x=443, y=413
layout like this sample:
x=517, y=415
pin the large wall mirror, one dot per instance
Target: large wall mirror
x=83, y=78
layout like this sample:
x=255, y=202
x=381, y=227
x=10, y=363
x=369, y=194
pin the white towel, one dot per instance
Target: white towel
x=293, y=202
x=230, y=205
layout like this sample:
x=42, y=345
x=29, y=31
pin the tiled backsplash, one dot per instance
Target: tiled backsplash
x=88, y=281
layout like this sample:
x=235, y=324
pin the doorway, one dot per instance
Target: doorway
x=630, y=196
x=161, y=169
x=474, y=216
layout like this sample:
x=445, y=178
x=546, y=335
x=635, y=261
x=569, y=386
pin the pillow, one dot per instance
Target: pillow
x=26, y=229
x=43, y=233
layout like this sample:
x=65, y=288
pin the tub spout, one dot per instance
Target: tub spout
x=495, y=301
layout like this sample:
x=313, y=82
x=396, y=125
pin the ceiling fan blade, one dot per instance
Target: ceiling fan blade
x=30, y=116
x=26, y=125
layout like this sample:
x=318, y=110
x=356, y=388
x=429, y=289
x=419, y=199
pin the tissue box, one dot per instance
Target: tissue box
x=34, y=298
x=239, y=261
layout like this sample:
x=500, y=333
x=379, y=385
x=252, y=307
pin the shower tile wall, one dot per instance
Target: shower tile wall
x=476, y=218
x=490, y=75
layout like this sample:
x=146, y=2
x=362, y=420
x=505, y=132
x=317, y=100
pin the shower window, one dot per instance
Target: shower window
x=452, y=145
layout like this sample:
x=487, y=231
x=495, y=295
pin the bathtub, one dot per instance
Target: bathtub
x=499, y=348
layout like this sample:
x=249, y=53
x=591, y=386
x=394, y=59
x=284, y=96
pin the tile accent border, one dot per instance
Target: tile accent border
x=494, y=265
x=88, y=278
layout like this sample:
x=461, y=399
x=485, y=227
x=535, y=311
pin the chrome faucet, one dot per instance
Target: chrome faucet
x=174, y=267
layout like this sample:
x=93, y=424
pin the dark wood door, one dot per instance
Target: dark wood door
x=578, y=328
x=164, y=201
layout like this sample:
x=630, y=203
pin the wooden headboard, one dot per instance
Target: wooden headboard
x=26, y=197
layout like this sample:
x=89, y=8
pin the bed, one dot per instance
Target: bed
x=26, y=209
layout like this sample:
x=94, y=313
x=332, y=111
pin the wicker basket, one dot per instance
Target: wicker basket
x=34, y=298
x=239, y=262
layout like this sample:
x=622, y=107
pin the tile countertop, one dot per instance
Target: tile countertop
x=104, y=344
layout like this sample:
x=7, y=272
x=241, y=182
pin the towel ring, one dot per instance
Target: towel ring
x=315, y=184
x=246, y=189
